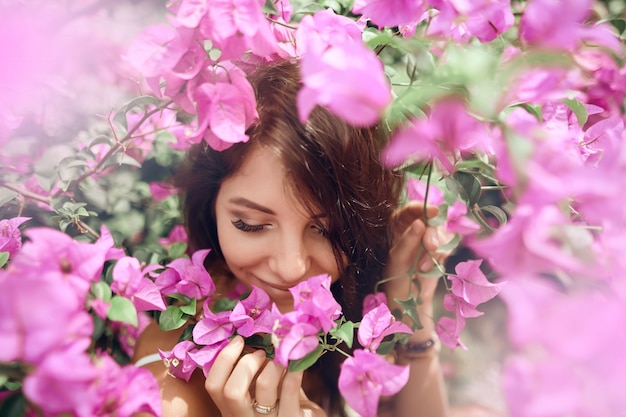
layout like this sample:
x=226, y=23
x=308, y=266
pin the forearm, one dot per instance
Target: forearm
x=424, y=393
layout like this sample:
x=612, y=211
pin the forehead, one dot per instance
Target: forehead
x=262, y=177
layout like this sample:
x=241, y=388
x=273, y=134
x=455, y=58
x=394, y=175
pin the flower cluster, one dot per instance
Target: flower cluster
x=297, y=339
x=42, y=340
x=507, y=115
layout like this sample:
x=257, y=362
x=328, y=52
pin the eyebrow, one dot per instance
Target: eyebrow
x=241, y=201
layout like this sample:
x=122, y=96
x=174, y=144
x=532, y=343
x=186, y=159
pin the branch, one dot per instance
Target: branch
x=129, y=135
x=27, y=193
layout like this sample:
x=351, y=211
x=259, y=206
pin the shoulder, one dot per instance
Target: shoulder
x=179, y=398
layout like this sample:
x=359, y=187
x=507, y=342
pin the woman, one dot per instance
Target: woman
x=293, y=202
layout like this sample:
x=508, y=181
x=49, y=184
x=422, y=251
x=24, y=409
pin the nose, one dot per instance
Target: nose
x=290, y=261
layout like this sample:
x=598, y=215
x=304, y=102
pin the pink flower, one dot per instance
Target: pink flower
x=334, y=71
x=125, y=390
x=371, y=301
x=130, y=281
x=10, y=235
x=160, y=190
x=390, y=12
x=470, y=288
x=51, y=254
x=177, y=234
x=447, y=131
x=213, y=328
x=187, y=277
x=560, y=25
x=458, y=222
x=236, y=26
x=416, y=191
x=314, y=299
x=564, y=362
x=205, y=356
x=536, y=239
x=62, y=383
x=178, y=361
x=461, y=19
x=57, y=323
x=377, y=324
x=252, y=315
x=225, y=106
x=471, y=285
x=449, y=331
x=365, y=377
x=294, y=336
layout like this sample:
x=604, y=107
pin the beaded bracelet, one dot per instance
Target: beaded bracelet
x=413, y=350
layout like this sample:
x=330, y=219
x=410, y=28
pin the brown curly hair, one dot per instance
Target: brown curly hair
x=334, y=167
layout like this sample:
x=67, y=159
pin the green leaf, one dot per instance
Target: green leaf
x=4, y=257
x=307, y=361
x=386, y=347
x=270, y=8
x=177, y=250
x=190, y=308
x=172, y=318
x=578, y=109
x=140, y=102
x=410, y=309
x=533, y=109
x=469, y=187
x=344, y=332
x=187, y=333
x=451, y=245
x=100, y=140
x=497, y=212
x=224, y=304
x=619, y=24
x=123, y=310
x=102, y=291
x=14, y=405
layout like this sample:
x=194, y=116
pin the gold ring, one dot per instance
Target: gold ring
x=263, y=409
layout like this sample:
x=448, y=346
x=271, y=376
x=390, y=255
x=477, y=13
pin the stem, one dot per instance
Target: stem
x=281, y=23
x=120, y=144
x=84, y=228
x=26, y=193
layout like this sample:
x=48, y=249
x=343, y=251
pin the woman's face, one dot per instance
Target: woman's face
x=267, y=237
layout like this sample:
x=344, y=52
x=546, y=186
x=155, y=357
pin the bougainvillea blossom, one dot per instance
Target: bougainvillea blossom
x=377, y=324
x=391, y=12
x=130, y=281
x=252, y=314
x=367, y=376
x=187, y=277
x=448, y=131
x=10, y=235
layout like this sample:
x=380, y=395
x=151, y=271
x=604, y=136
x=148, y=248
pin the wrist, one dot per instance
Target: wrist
x=414, y=348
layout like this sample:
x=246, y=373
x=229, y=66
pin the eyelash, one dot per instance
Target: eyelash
x=249, y=228
x=320, y=230
x=245, y=227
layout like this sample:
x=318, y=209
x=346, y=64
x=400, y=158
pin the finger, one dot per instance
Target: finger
x=290, y=395
x=432, y=239
x=267, y=383
x=224, y=363
x=414, y=210
x=403, y=254
x=237, y=388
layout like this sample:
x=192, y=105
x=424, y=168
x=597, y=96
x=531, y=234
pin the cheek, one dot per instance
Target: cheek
x=238, y=251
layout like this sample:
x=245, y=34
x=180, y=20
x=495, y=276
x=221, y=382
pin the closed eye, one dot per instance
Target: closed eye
x=319, y=229
x=245, y=227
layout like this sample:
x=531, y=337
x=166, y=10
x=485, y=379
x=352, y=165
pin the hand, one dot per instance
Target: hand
x=235, y=383
x=414, y=249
